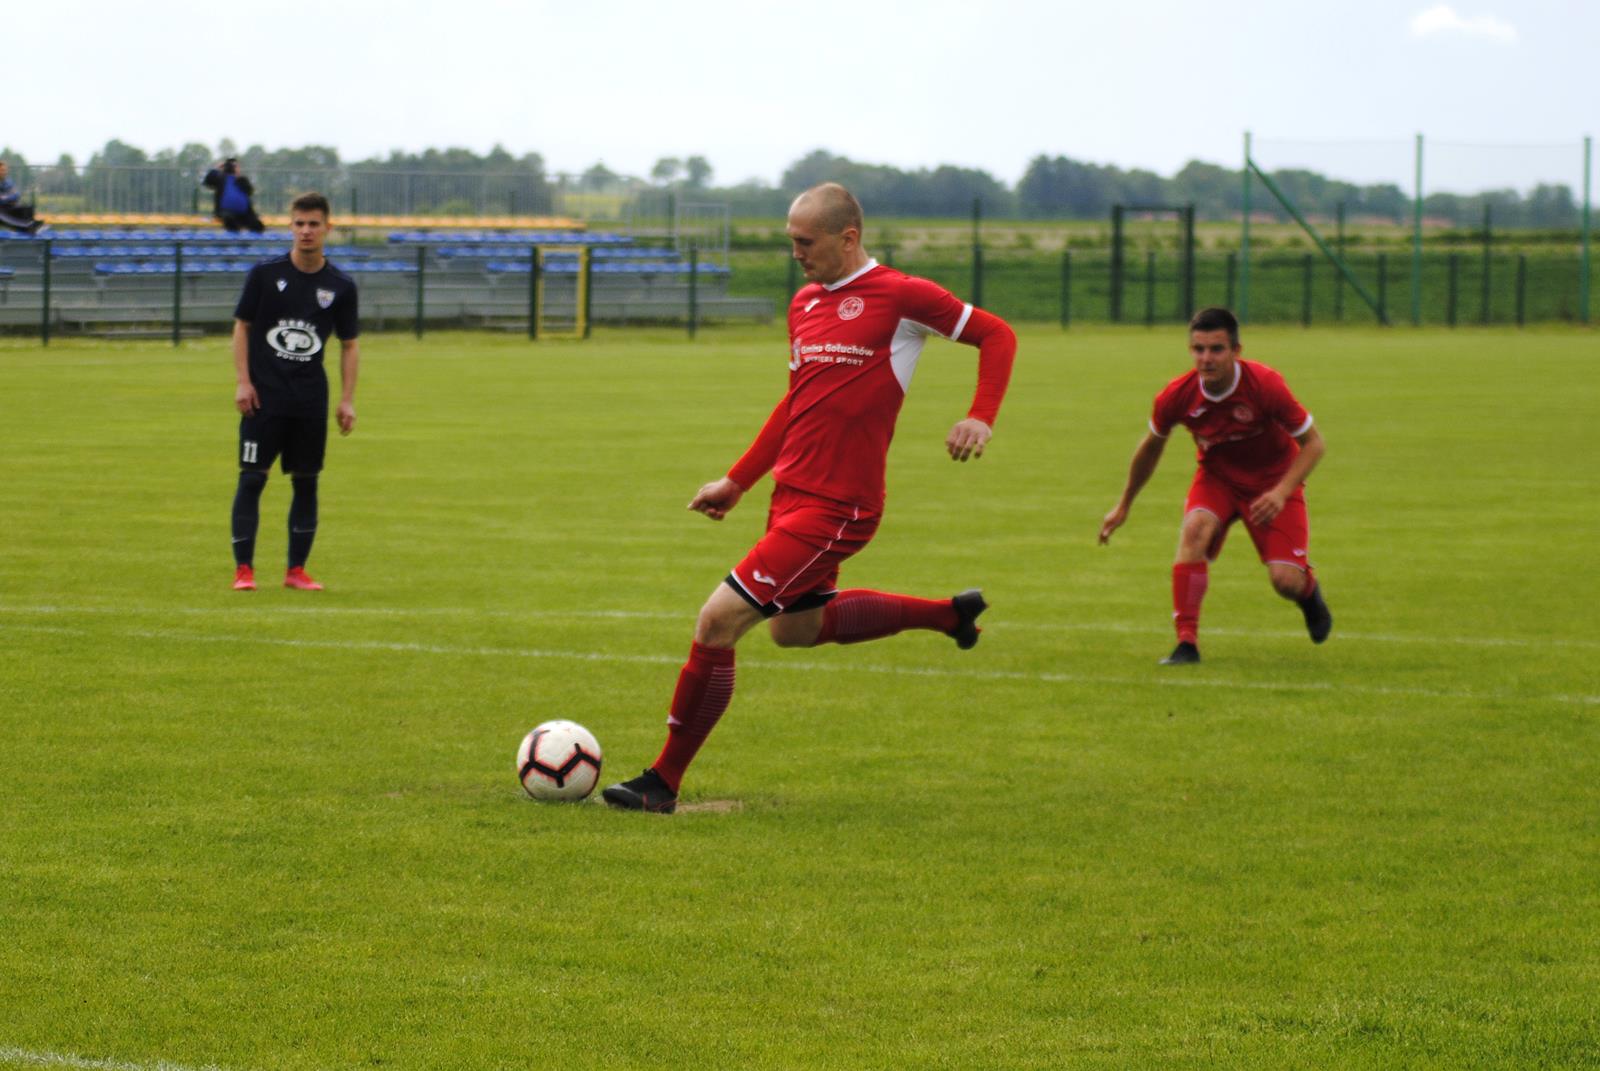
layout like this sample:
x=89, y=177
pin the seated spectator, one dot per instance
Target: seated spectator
x=13, y=213
x=231, y=204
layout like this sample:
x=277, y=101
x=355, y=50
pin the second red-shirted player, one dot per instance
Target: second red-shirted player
x=855, y=334
x=1256, y=447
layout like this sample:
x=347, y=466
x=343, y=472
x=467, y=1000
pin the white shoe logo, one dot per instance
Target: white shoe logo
x=767, y=580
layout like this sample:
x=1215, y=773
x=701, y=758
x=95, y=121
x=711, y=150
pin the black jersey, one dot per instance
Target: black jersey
x=293, y=315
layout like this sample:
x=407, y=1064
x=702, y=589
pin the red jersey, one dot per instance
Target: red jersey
x=1245, y=435
x=853, y=346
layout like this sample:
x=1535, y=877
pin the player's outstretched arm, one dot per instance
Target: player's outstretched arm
x=997, y=350
x=1146, y=456
x=245, y=398
x=716, y=498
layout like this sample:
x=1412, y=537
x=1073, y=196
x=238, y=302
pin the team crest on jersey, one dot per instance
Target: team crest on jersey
x=851, y=307
x=324, y=298
x=295, y=340
x=1243, y=414
x=282, y=285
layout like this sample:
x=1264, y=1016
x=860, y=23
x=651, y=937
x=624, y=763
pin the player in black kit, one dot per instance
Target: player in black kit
x=291, y=307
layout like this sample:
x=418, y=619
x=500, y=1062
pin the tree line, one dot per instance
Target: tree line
x=1052, y=187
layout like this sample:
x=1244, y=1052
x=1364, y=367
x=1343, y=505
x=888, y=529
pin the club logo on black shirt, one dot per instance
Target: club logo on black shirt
x=295, y=340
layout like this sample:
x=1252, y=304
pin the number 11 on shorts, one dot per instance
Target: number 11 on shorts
x=247, y=451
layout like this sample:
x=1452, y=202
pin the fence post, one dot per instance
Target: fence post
x=1522, y=288
x=1416, y=243
x=1233, y=266
x=422, y=269
x=1338, y=277
x=533, y=293
x=1244, y=240
x=586, y=270
x=1383, y=288
x=1066, y=288
x=1116, y=264
x=792, y=286
x=44, y=301
x=694, y=272
x=1488, y=240
x=1150, y=288
x=1305, y=296
x=1583, y=259
x=1452, y=295
x=977, y=253
x=1188, y=309
x=177, y=292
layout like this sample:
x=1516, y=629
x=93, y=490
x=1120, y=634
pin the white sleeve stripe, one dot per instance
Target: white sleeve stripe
x=1153, y=430
x=966, y=314
x=1302, y=429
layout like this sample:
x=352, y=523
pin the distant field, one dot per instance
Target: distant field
x=281, y=831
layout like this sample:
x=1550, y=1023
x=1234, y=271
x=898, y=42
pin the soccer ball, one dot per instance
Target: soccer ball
x=559, y=760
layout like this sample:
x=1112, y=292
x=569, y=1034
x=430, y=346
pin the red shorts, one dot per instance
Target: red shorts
x=795, y=566
x=1285, y=539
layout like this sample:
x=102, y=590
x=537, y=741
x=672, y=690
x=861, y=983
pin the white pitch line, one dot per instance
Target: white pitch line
x=42, y=1058
x=688, y=616
x=1166, y=680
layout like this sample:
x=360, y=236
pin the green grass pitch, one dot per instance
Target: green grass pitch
x=282, y=831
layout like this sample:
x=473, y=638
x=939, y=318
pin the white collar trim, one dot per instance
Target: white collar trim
x=1238, y=370
x=872, y=262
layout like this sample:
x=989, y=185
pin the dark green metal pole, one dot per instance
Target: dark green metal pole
x=1488, y=240
x=694, y=273
x=1452, y=296
x=422, y=270
x=1188, y=309
x=533, y=294
x=1066, y=288
x=1305, y=293
x=1150, y=288
x=1243, y=310
x=977, y=253
x=1116, y=264
x=588, y=292
x=1232, y=269
x=1327, y=250
x=1416, y=243
x=1382, y=308
x=793, y=269
x=1338, y=280
x=177, y=292
x=44, y=301
x=1583, y=260
x=1522, y=288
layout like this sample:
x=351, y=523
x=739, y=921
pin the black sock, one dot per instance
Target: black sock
x=302, y=518
x=247, y=515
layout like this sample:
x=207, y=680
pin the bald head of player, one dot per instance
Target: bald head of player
x=825, y=231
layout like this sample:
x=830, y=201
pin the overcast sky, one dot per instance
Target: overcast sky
x=753, y=85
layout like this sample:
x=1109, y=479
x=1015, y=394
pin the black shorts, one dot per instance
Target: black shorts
x=302, y=440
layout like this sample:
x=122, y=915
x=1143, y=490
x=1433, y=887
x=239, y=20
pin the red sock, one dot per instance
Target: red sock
x=705, y=688
x=1188, y=589
x=859, y=614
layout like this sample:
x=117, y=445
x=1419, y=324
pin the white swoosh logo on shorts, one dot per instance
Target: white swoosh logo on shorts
x=767, y=580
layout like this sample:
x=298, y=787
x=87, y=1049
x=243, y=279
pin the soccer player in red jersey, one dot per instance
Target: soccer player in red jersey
x=1256, y=447
x=855, y=333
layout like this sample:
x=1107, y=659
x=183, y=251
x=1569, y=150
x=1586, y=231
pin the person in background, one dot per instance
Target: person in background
x=232, y=199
